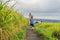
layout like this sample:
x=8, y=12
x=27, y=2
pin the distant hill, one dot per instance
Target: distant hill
x=47, y=20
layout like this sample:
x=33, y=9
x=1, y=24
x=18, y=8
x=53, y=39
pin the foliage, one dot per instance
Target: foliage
x=12, y=22
x=49, y=30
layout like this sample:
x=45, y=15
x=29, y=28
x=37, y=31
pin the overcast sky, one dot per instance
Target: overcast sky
x=48, y=9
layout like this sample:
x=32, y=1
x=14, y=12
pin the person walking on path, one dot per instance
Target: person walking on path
x=32, y=22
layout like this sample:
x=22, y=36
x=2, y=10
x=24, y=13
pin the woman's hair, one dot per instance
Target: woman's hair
x=31, y=16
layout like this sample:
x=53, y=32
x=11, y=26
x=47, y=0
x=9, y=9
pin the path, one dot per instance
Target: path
x=31, y=35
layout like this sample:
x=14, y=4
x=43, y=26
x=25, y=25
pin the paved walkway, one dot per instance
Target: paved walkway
x=31, y=35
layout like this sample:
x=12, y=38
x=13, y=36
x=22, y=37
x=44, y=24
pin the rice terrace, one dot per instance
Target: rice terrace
x=15, y=26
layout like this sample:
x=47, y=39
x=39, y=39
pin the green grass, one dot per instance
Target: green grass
x=12, y=22
x=49, y=30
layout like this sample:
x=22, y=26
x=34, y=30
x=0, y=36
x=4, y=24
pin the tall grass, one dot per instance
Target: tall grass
x=49, y=30
x=12, y=24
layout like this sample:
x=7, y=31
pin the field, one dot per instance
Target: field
x=48, y=30
x=12, y=23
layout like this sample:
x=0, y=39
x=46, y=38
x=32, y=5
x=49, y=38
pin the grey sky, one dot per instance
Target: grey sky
x=38, y=8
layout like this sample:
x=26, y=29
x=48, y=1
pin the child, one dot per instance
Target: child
x=32, y=22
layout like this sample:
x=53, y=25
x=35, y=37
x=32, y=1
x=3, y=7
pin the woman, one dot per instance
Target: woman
x=29, y=18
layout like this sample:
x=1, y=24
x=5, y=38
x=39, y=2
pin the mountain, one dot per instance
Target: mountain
x=47, y=20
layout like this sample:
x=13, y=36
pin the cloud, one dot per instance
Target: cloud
x=43, y=8
x=11, y=3
x=41, y=5
x=38, y=7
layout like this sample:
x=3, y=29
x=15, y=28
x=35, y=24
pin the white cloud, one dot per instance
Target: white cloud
x=38, y=6
x=11, y=3
x=28, y=1
x=42, y=7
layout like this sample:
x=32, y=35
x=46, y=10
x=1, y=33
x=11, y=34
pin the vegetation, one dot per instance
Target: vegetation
x=12, y=24
x=49, y=30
